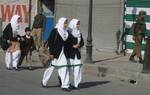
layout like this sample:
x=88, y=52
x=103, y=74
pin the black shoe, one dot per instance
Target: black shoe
x=74, y=88
x=44, y=86
x=15, y=68
x=140, y=60
x=59, y=80
x=9, y=68
x=66, y=89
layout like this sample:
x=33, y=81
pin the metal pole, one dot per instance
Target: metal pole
x=124, y=34
x=89, y=37
x=30, y=6
x=39, y=5
x=146, y=63
x=0, y=26
x=1, y=33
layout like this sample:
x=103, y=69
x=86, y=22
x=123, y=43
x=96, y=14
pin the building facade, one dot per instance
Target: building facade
x=107, y=17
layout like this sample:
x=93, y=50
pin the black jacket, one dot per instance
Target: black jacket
x=8, y=35
x=55, y=44
x=27, y=44
x=73, y=51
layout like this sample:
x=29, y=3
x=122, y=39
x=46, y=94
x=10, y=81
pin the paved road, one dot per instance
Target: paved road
x=26, y=82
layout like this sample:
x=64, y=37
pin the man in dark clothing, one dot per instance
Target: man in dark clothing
x=37, y=29
x=138, y=31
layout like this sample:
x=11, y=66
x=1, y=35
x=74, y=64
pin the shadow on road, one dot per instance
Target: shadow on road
x=108, y=59
x=53, y=86
x=33, y=67
x=92, y=84
x=85, y=84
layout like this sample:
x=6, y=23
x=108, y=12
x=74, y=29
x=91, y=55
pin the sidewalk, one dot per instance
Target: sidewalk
x=109, y=65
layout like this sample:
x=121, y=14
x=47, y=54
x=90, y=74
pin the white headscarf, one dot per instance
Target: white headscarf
x=74, y=31
x=14, y=24
x=60, y=28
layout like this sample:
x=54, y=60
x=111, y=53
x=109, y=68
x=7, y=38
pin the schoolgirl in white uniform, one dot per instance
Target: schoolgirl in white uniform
x=74, y=58
x=13, y=52
x=57, y=47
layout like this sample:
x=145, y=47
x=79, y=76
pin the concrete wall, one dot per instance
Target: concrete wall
x=107, y=18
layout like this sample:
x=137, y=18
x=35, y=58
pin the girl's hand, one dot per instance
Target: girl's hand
x=76, y=46
x=8, y=41
x=51, y=57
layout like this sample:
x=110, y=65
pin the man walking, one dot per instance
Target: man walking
x=138, y=31
x=37, y=29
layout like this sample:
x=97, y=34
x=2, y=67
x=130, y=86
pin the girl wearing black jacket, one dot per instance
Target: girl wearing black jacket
x=74, y=55
x=57, y=48
x=12, y=47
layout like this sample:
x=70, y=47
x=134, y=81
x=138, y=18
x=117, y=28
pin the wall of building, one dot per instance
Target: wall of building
x=107, y=19
x=21, y=7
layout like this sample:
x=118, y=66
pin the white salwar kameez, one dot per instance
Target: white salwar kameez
x=61, y=62
x=75, y=64
x=76, y=70
x=62, y=65
x=12, y=59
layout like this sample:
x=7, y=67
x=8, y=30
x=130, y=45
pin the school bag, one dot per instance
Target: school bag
x=44, y=54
